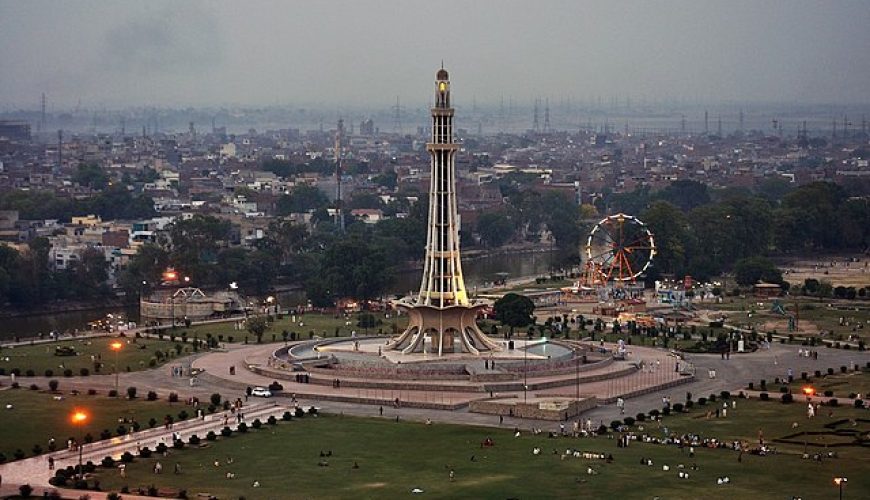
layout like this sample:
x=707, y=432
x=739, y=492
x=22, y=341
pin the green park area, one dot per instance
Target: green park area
x=380, y=458
x=89, y=355
x=321, y=324
x=31, y=418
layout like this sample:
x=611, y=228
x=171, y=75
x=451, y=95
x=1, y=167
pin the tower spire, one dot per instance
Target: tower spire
x=442, y=312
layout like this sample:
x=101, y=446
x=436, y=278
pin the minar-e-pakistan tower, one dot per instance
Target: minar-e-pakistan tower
x=442, y=318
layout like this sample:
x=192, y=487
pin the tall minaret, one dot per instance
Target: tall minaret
x=441, y=317
x=442, y=283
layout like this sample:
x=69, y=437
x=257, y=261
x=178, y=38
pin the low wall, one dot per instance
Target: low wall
x=537, y=410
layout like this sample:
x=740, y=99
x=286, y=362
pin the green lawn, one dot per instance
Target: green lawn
x=136, y=354
x=395, y=458
x=323, y=325
x=35, y=417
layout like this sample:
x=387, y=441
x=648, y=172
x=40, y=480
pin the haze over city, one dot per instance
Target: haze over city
x=161, y=53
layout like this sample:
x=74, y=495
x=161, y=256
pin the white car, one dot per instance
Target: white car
x=261, y=392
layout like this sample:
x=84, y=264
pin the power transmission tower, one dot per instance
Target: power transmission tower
x=547, y=117
x=397, y=117
x=535, y=126
x=338, y=174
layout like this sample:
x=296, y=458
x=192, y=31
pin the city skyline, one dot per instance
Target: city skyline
x=219, y=53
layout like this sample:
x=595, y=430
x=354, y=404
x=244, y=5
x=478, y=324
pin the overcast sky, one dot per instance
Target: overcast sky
x=171, y=53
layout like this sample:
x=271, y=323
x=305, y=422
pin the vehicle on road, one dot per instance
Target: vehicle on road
x=261, y=392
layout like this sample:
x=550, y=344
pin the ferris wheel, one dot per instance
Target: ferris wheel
x=622, y=246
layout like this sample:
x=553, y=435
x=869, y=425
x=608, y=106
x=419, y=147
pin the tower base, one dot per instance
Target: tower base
x=442, y=330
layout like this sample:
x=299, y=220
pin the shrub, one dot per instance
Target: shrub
x=113, y=393
x=783, y=389
x=689, y=404
x=804, y=376
x=817, y=373
x=678, y=407
x=30, y=373
x=830, y=371
x=257, y=423
x=286, y=416
x=843, y=369
x=615, y=424
x=859, y=403
x=602, y=430
x=113, y=496
x=182, y=415
x=152, y=422
x=764, y=396
x=34, y=387
x=242, y=427
x=106, y=434
x=299, y=413
x=833, y=402
x=725, y=395
x=152, y=396
x=640, y=417
x=787, y=398
x=19, y=454
x=226, y=431
x=49, y=373
x=121, y=430
x=173, y=397
x=211, y=408
x=84, y=372
x=161, y=448
x=145, y=452
x=131, y=393
x=178, y=444
x=92, y=392
x=25, y=490
x=275, y=387
x=828, y=393
x=666, y=410
x=127, y=457
x=194, y=440
x=702, y=401
x=88, y=438
x=751, y=386
x=52, y=384
x=67, y=372
x=271, y=420
x=37, y=449
x=654, y=413
x=215, y=399
x=211, y=436
x=108, y=462
x=628, y=421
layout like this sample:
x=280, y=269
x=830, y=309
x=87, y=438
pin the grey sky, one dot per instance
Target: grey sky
x=113, y=53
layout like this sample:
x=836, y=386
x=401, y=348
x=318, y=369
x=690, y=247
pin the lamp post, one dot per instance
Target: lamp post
x=840, y=481
x=116, y=346
x=79, y=418
x=526, y=369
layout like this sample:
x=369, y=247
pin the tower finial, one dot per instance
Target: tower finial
x=442, y=63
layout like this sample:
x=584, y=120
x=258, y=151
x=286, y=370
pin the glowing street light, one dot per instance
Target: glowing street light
x=79, y=418
x=809, y=391
x=840, y=482
x=116, y=346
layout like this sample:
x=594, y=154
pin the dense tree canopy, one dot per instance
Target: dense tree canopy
x=514, y=310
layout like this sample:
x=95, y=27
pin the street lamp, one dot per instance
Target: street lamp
x=116, y=346
x=840, y=481
x=79, y=418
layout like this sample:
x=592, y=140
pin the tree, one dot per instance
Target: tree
x=495, y=229
x=91, y=176
x=257, y=326
x=301, y=199
x=685, y=194
x=672, y=236
x=514, y=310
x=751, y=270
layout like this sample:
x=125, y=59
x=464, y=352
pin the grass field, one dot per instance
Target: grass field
x=395, y=458
x=35, y=417
x=136, y=354
x=323, y=325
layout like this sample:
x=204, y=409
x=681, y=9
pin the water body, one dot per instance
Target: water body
x=478, y=272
